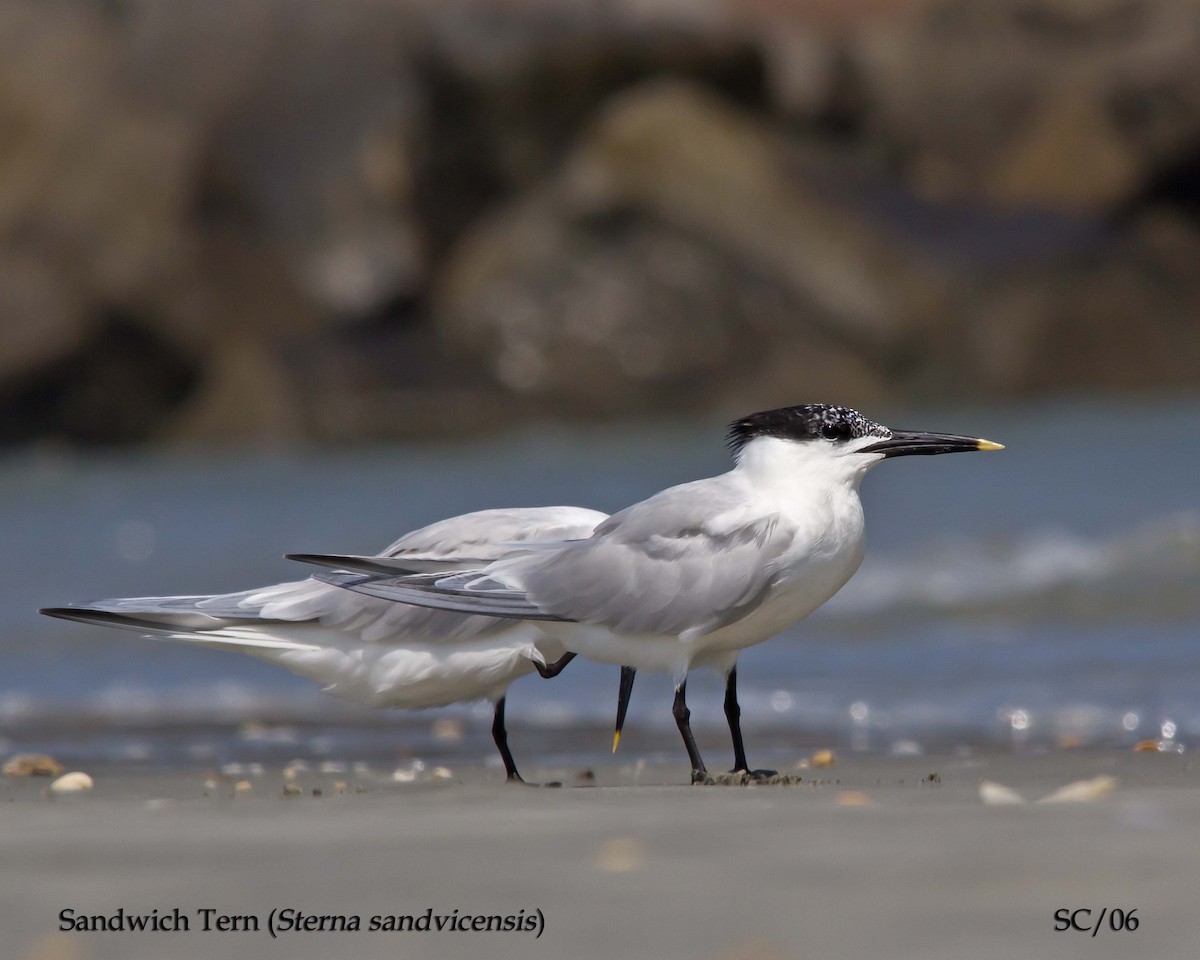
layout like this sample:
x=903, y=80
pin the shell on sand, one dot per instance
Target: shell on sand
x=73, y=782
x=997, y=794
x=824, y=758
x=32, y=765
x=1083, y=791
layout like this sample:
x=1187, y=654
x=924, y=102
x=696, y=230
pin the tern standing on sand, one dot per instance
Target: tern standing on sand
x=695, y=573
x=370, y=651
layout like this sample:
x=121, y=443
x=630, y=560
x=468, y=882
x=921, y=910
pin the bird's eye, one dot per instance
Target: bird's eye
x=832, y=431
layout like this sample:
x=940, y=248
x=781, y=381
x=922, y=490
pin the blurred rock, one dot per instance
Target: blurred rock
x=1069, y=155
x=676, y=151
x=1121, y=318
x=674, y=255
x=41, y=318
x=290, y=219
x=1058, y=103
x=119, y=385
x=601, y=316
x=93, y=178
x=509, y=87
x=246, y=396
x=92, y=184
x=309, y=131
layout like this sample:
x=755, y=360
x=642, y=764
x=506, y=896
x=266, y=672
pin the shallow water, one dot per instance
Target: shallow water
x=1045, y=594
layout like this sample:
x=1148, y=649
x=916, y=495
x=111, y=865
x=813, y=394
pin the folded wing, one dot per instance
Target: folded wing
x=685, y=562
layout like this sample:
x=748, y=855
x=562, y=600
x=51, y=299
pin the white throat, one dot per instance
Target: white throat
x=773, y=463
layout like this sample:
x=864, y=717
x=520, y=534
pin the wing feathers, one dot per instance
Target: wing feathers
x=424, y=590
x=638, y=574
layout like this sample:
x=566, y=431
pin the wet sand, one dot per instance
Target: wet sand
x=870, y=858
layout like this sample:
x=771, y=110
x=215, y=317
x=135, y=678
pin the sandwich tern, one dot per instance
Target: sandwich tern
x=690, y=576
x=371, y=651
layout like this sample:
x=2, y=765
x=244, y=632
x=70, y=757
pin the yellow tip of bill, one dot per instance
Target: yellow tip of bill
x=989, y=445
x=616, y=739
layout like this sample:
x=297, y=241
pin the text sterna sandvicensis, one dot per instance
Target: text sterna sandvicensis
x=693, y=574
x=371, y=651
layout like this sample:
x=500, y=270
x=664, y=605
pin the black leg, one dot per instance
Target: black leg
x=500, y=735
x=555, y=668
x=733, y=713
x=628, y=674
x=682, y=717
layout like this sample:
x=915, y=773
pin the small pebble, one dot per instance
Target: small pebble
x=404, y=776
x=253, y=730
x=998, y=795
x=32, y=765
x=243, y=786
x=1083, y=791
x=291, y=789
x=620, y=855
x=442, y=774
x=73, y=782
x=823, y=758
x=339, y=786
x=447, y=729
x=1159, y=746
x=743, y=778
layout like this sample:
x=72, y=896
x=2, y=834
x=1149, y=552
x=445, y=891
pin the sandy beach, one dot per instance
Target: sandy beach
x=874, y=856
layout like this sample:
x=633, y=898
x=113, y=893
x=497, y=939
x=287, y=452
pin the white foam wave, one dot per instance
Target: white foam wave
x=1156, y=559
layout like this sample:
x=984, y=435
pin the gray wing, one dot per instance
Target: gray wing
x=466, y=543
x=298, y=607
x=445, y=545
x=385, y=566
x=488, y=535
x=467, y=593
x=686, y=562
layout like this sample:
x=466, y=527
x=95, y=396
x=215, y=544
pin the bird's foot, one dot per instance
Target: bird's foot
x=749, y=778
x=732, y=778
x=520, y=781
x=758, y=776
x=701, y=778
x=548, y=671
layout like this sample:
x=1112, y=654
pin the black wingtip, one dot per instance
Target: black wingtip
x=79, y=615
x=63, y=613
x=320, y=559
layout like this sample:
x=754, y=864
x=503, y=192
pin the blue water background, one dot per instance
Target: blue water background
x=1048, y=594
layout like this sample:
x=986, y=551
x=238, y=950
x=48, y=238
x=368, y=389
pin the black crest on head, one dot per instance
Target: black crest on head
x=809, y=421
